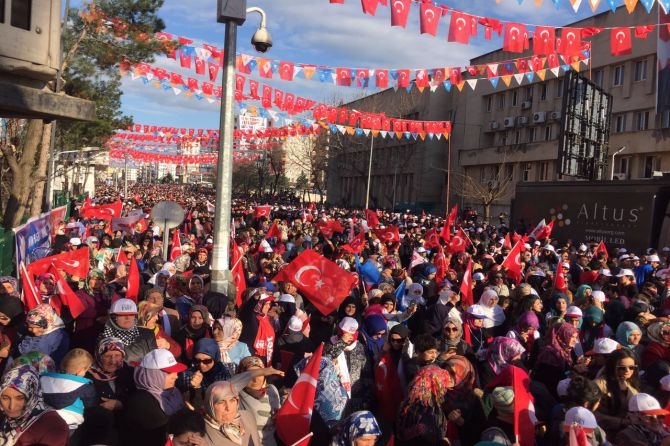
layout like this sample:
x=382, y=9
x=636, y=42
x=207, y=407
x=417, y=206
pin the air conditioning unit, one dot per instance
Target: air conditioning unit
x=526, y=105
x=522, y=120
x=493, y=125
x=539, y=117
x=620, y=176
x=555, y=115
x=509, y=122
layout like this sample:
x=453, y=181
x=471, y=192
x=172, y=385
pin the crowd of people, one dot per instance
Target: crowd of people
x=406, y=360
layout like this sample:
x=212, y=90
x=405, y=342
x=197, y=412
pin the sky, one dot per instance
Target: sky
x=320, y=33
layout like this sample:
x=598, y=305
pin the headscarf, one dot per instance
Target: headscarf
x=23, y=379
x=331, y=397
x=496, y=315
x=250, y=361
x=46, y=277
x=39, y=361
x=153, y=381
x=624, y=331
x=106, y=345
x=94, y=273
x=13, y=282
x=231, y=328
x=446, y=342
x=580, y=294
x=527, y=319
x=501, y=352
x=428, y=387
x=222, y=390
x=11, y=306
x=355, y=426
x=127, y=336
x=374, y=324
x=44, y=316
x=557, y=352
x=654, y=333
x=209, y=347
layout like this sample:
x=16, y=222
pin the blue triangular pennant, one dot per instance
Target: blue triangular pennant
x=494, y=81
x=358, y=132
x=665, y=4
x=612, y=5
x=447, y=85
x=530, y=76
x=393, y=74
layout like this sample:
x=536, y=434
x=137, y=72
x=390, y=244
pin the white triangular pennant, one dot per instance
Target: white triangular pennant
x=472, y=83
x=555, y=71
x=519, y=78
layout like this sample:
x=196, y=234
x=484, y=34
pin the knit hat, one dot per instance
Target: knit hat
x=503, y=399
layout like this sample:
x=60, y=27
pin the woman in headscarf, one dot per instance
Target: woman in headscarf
x=462, y=406
x=257, y=329
x=113, y=381
x=495, y=314
x=97, y=299
x=196, y=288
x=206, y=368
x=555, y=357
x=46, y=285
x=582, y=295
x=159, y=280
x=226, y=332
x=526, y=331
x=593, y=327
x=45, y=333
x=25, y=419
x=195, y=329
x=122, y=324
x=360, y=428
x=658, y=347
x=11, y=312
x=9, y=287
x=374, y=331
x=559, y=308
x=629, y=335
x=292, y=346
x=227, y=425
x=390, y=378
x=502, y=352
x=452, y=342
x=148, y=318
x=146, y=412
x=40, y=362
x=260, y=398
x=350, y=307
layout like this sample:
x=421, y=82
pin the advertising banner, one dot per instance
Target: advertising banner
x=33, y=239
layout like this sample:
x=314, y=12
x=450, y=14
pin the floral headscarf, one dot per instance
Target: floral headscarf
x=501, y=352
x=232, y=329
x=43, y=278
x=44, y=316
x=355, y=426
x=13, y=282
x=94, y=273
x=23, y=379
x=654, y=332
x=624, y=331
x=106, y=345
x=39, y=361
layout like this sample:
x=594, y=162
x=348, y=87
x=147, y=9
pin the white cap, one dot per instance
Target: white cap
x=604, y=346
x=653, y=258
x=573, y=311
x=599, y=295
x=162, y=359
x=666, y=249
x=621, y=251
x=348, y=325
x=295, y=324
x=537, y=243
x=286, y=298
x=604, y=272
x=624, y=257
x=420, y=249
x=478, y=276
x=501, y=240
x=635, y=258
x=581, y=416
x=645, y=403
x=562, y=387
x=625, y=272
x=123, y=307
x=549, y=247
x=582, y=247
x=665, y=383
x=477, y=312
x=76, y=241
x=526, y=245
x=566, y=264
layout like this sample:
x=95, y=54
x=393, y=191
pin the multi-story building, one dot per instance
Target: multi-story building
x=505, y=135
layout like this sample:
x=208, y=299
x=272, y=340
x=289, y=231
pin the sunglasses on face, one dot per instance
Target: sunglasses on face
x=396, y=340
x=378, y=335
x=207, y=361
x=452, y=329
x=625, y=368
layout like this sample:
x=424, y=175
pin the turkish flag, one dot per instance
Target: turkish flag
x=328, y=228
x=432, y=239
x=403, y=78
x=67, y=297
x=286, y=71
x=320, y=280
x=388, y=234
x=545, y=231
x=31, y=295
x=513, y=262
x=441, y=264
x=75, y=263
x=559, y=280
x=371, y=218
x=382, y=78
x=103, y=211
x=620, y=41
x=357, y=244
x=459, y=27
x=467, y=297
x=133, y=287
x=430, y=18
x=538, y=229
x=343, y=77
x=400, y=12
x=459, y=242
x=213, y=70
x=507, y=242
x=453, y=215
x=369, y=6
x=237, y=270
x=176, y=246
x=294, y=416
x=455, y=75
x=544, y=40
x=262, y=211
x=602, y=248
x=516, y=37
x=122, y=257
x=274, y=231
x=570, y=43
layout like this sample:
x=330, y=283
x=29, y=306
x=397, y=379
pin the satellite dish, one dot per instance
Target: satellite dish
x=168, y=213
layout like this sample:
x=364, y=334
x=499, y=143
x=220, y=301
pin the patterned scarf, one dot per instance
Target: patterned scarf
x=23, y=379
x=231, y=329
x=128, y=337
x=106, y=345
x=501, y=351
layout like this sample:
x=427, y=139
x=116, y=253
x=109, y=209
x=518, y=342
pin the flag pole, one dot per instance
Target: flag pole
x=299, y=442
x=448, y=172
x=367, y=192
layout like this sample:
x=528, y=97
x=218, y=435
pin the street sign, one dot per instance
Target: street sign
x=169, y=214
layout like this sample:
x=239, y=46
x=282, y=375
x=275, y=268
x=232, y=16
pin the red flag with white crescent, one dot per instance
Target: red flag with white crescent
x=388, y=234
x=75, y=263
x=459, y=242
x=467, y=296
x=31, y=295
x=507, y=242
x=559, y=280
x=67, y=297
x=371, y=218
x=545, y=232
x=602, y=248
x=133, y=288
x=453, y=215
x=356, y=244
x=274, y=231
x=431, y=239
x=237, y=270
x=262, y=211
x=176, y=246
x=293, y=417
x=103, y=211
x=513, y=262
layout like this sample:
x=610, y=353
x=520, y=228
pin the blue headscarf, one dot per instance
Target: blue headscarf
x=372, y=324
x=355, y=426
x=208, y=347
x=623, y=332
x=331, y=398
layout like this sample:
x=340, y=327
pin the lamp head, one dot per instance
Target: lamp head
x=261, y=40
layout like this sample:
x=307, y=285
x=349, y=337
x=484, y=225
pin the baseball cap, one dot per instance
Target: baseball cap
x=624, y=257
x=287, y=298
x=526, y=245
x=420, y=249
x=625, y=272
x=124, y=307
x=537, y=243
x=295, y=324
x=503, y=399
x=653, y=258
x=348, y=325
x=599, y=295
x=604, y=272
x=665, y=383
x=574, y=311
x=603, y=346
x=645, y=403
x=478, y=276
x=92, y=239
x=581, y=416
x=549, y=247
x=582, y=247
x=562, y=387
x=162, y=359
x=621, y=251
x=76, y=241
x=477, y=312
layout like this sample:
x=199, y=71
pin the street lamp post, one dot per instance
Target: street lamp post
x=232, y=13
x=621, y=149
x=52, y=177
x=367, y=191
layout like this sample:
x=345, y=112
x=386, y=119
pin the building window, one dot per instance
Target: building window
x=502, y=138
x=509, y=172
x=642, y=120
x=529, y=94
x=489, y=103
x=2, y=11
x=651, y=164
x=21, y=10
x=517, y=136
x=531, y=134
x=526, y=171
x=620, y=123
x=515, y=98
x=619, y=72
x=623, y=162
x=543, y=92
x=598, y=77
x=547, y=133
x=640, y=70
x=559, y=88
x=544, y=171
x=501, y=101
